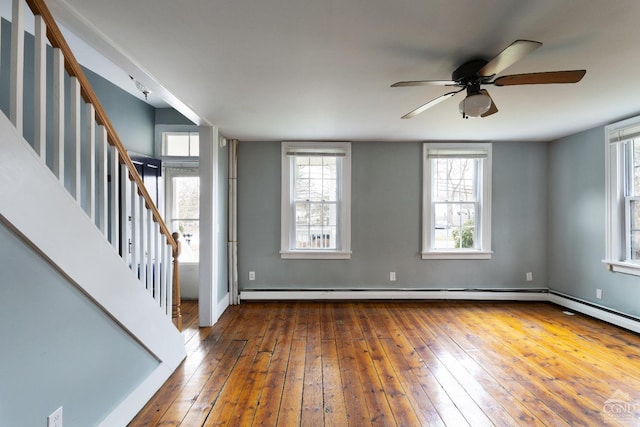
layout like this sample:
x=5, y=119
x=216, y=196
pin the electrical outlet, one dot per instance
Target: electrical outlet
x=392, y=276
x=55, y=419
x=252, y=275
x=529, y=276
x=599, y=293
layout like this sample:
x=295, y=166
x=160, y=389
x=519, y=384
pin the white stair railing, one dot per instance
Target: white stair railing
x=91, y=161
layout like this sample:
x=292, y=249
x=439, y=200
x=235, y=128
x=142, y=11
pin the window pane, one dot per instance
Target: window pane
x=323, y=238
x=302, y=214
x=181, y=144
x=454, y=225
x=194, y=144
x=634, y=231
x=176, y=144
x=634, y=241
x=186, y=192
x=454, y=179
x=329, y=214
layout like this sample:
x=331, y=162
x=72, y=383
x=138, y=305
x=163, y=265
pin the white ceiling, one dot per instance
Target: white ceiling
x=321, y=69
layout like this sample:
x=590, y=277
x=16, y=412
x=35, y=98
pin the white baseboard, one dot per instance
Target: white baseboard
x=593, y=310
x=489, y=294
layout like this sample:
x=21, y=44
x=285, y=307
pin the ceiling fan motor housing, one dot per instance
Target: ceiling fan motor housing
x=467, y=73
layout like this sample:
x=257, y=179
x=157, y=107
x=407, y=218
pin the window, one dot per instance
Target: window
x=622, y=158
x=456, y=211
x=178, y=146
x=316, y=187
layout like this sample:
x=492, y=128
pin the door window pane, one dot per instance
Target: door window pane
x=185, y=215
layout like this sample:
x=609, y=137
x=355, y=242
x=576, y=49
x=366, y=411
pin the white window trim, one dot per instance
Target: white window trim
x=615, y=245
x=286, y=228
x=484, y=251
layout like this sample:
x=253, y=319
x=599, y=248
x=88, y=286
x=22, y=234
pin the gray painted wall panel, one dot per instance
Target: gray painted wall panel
x=386, y=224
x=577, y=225
x=57, y=348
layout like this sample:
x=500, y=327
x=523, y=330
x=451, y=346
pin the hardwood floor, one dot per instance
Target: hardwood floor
x=401, y=363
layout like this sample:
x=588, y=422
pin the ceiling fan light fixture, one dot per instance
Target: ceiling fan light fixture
x=475, y=105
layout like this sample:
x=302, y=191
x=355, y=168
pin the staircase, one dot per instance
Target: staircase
x=68, y=189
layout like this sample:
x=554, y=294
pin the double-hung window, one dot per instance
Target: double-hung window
x=456, y=213
x=622, y=158
x=316, y=187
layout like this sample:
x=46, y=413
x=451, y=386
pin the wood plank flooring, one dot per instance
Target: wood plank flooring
x=431, y=363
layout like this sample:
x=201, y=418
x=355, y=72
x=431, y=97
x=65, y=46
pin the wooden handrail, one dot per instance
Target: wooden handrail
x=38, y=7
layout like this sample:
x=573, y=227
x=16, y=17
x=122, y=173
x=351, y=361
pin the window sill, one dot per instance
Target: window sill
x=461, y=254
x=622, y=267
x=315, y=255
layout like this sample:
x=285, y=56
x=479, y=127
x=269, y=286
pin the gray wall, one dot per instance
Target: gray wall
x=56, y=347
x=577, y=225
x=169, y=116
x=132, y=118
x=386, y=223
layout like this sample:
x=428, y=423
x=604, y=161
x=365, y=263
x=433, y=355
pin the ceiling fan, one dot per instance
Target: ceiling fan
x=472, y=75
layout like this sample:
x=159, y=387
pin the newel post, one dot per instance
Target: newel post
x=176, y=314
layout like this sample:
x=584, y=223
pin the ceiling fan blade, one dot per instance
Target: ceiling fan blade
x=426, y=83
x=509, y=56
x=430, y=104
x=573, y=76
x=493, y=109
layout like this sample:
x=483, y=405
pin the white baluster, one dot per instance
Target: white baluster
x=91, y=161
x=76, y=166
x=40, y=89
x=126, y=225
x=157, y=253
x=16, y=110
x=135, y=223
x=142, y=241
x=58, y=114
x=150, y=246
x=102, y=161
x=114, y=214
x=164, y=271
x=169, y=280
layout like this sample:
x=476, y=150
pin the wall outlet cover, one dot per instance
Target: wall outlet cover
x=55, y=419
